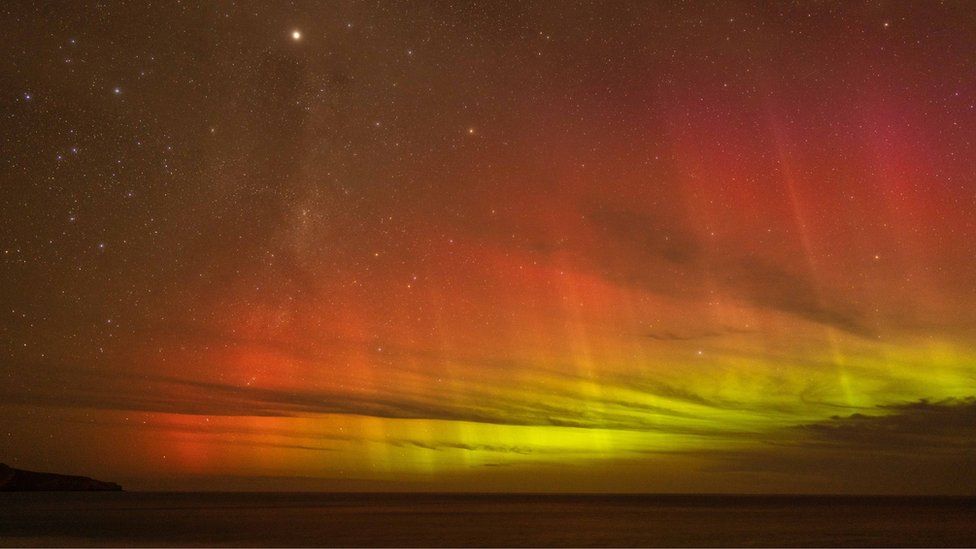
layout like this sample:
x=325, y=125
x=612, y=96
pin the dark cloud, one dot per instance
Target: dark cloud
x=659, y=252
x=771, y=287
x=672, y=336
x=945, y=426
x=918, y=447
x=648, y=235
x=666, y=335
x=440, y=445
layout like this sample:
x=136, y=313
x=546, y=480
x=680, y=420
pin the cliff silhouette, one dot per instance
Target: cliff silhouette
x=18, y=480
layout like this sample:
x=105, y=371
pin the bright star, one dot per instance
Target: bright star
x=296, y=35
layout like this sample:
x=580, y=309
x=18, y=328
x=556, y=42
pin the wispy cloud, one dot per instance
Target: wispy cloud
x=541, y=401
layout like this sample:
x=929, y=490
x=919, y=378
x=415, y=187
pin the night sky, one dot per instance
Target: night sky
x=551, y=246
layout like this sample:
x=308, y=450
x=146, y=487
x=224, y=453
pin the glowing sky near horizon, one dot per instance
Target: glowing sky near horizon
x=551, y=246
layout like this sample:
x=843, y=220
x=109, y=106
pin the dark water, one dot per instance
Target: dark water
x=289, y=519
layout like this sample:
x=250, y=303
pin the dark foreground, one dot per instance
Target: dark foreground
x=19, y=480
x=283, y=519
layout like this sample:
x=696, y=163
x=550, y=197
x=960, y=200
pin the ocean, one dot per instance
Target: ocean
x=405, y=520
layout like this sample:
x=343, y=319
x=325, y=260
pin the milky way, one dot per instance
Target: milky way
x=545, y=246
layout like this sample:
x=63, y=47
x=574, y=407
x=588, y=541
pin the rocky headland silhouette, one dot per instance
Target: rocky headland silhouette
x=18, y=480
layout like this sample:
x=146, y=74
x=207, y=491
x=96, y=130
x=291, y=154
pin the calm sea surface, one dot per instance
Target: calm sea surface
x=299, y=519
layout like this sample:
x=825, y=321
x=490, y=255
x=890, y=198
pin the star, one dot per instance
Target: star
x=296, y=35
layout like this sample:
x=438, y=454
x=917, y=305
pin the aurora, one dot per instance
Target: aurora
x=540, y=247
